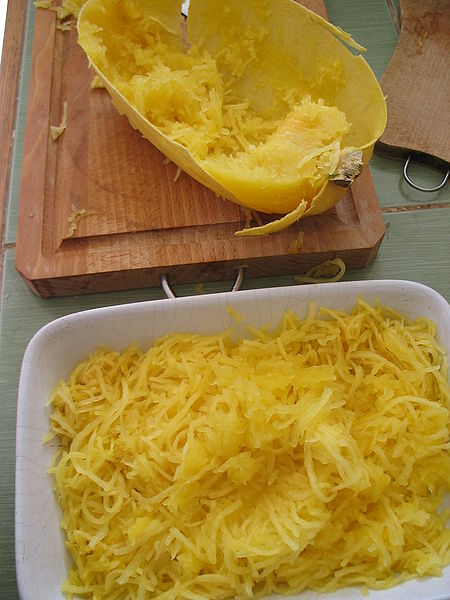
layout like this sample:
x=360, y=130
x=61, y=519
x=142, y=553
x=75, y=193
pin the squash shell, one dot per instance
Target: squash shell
x=298, y=51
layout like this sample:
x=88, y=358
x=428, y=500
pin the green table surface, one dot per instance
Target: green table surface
x=416, y=247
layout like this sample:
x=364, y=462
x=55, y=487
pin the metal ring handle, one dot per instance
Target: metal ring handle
x=239, y=279
x=166, y=286
x=419, y=187
x=171, y=294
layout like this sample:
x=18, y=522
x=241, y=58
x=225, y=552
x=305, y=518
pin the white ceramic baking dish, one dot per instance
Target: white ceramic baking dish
x=41, y=559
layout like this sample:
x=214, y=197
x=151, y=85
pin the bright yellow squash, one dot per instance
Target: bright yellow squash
x=261, y=101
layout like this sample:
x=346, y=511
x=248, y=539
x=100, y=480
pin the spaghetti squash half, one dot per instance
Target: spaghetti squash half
x=262, y=101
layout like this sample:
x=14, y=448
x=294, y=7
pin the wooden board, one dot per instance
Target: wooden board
x=417, y=83
x=136, y=217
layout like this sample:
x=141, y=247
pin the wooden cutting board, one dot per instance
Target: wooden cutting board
x=101, y=209
x=417, y=83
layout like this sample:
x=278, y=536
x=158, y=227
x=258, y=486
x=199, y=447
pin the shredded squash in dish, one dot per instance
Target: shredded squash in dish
x=309, y=456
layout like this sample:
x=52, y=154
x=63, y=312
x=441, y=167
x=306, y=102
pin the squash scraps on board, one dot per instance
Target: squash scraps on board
x=314, y=455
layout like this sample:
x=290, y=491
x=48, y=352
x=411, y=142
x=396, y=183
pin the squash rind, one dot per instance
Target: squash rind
x=286, y=31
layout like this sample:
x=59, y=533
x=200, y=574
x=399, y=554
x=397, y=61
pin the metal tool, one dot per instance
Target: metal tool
x=240, y=273
x=419, y=187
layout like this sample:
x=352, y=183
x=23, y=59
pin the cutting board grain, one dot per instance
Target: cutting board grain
x=101, y=209
x=417, y=83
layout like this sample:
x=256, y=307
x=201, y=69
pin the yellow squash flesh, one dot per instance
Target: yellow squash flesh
x=261, y=101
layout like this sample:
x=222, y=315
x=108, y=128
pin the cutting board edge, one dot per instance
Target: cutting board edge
x=388, y=149
x=147, y=277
